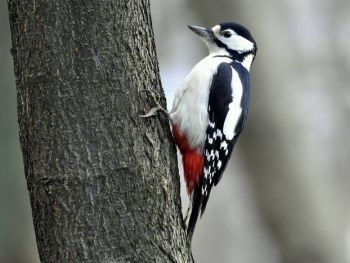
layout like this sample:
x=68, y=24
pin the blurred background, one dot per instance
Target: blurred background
x=285, y=195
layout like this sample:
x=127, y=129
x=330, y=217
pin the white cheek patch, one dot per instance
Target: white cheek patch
x=236, y=42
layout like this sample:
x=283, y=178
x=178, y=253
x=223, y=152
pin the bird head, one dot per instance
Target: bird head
x=228, y=39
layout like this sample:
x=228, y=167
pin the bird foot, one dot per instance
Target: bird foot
x=153, y=111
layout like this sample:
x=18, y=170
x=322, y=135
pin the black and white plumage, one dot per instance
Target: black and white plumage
x=210, y=110
x=227, y=110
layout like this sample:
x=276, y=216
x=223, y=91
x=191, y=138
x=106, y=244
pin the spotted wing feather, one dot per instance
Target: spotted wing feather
x=218, y=147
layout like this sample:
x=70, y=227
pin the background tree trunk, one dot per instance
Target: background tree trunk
x=103, y=182
x=295, y=146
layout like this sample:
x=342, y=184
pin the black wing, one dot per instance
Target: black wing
x=217, y=148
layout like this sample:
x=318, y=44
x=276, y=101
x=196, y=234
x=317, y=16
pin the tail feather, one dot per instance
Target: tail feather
x=196, y=207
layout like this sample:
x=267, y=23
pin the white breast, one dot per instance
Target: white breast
x=190, y=107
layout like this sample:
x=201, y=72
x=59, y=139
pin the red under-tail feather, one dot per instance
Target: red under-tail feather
x=193, y=163
x=192, y=160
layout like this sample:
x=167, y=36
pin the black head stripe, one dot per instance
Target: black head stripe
x=242, y=31
x=234, y=54
x=239, y=29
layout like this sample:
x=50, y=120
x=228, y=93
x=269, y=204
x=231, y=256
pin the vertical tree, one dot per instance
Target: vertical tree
x=103, y=182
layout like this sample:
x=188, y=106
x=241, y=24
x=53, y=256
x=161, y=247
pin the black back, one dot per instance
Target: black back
x=217, y=148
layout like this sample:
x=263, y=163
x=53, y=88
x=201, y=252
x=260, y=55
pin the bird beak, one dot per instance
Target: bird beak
x=204, y=33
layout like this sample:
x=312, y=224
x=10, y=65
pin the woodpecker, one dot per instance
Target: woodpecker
x=210, y=109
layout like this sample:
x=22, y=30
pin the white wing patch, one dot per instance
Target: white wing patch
x=235, y=109
x=231, y=121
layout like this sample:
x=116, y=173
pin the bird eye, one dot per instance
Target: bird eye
x=227, y=34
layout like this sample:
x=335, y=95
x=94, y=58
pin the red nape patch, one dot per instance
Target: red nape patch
x=193, y=163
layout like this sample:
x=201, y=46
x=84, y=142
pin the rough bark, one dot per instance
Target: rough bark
x=103, y=182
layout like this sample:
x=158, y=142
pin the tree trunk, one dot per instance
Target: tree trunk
x=103, y=182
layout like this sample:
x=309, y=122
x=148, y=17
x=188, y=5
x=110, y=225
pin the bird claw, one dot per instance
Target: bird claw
x=154, y=110
x=151, y=112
